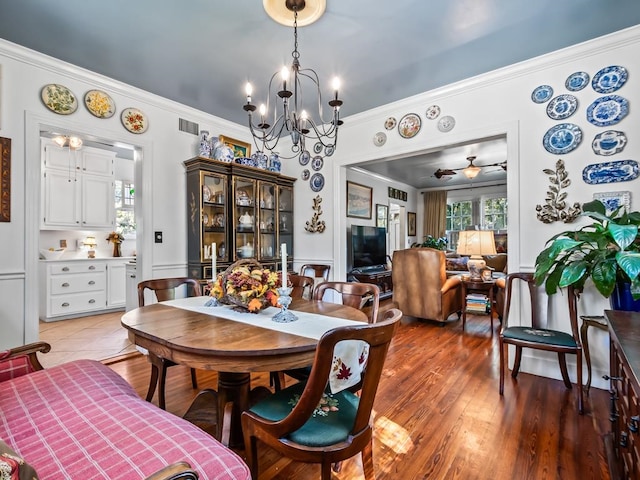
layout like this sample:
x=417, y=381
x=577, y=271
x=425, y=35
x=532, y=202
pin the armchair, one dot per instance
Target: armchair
x=420, y=285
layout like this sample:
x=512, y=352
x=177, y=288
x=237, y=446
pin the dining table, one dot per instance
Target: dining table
x=233, y=343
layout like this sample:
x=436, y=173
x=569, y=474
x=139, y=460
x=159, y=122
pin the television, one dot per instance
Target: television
x=368, y=247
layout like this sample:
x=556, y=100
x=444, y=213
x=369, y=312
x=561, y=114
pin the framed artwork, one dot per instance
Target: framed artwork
x=501, y=242
x=5, y=180
x=359, y=198
x=411, y=224
x=240, y=149
x=382, y=216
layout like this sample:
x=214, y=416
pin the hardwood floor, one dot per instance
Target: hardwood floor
x=438, y=413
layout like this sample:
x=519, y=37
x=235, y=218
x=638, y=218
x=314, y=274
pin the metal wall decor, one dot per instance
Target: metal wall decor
x=315, y=225
x=555, y=208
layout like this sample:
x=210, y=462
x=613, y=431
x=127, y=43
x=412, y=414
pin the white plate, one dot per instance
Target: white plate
x=390, y=123
x=379, y=139
x=562, y=106
x=433, y=112
x=446, y=124
x=99, y=104
x=409, y=125
x=59, y=99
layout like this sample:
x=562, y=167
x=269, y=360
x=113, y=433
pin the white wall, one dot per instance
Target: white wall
x=497, y=103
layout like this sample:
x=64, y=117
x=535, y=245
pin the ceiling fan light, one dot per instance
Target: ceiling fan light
x=471, y=172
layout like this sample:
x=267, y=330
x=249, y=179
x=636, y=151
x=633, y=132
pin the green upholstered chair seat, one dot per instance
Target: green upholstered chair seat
x=320, y=430
x=539, y=335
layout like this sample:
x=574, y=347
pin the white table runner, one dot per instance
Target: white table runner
x=308, y=325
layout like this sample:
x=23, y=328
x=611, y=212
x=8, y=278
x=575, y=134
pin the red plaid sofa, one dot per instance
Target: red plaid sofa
x=81, y=420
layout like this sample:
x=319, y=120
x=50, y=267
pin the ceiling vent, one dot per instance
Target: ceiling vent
x=190, y=127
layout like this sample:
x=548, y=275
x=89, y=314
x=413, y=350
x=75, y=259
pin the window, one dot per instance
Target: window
x=459, y=215
x=494, y=213
x=125, y=203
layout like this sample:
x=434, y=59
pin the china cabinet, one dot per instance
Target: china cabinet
x=238, y=212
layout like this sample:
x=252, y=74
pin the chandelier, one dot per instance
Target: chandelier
x=286, y=111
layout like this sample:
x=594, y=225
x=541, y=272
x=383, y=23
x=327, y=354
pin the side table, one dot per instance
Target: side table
x=596, y=321
x=477, y=286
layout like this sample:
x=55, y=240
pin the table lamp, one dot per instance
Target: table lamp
x=476, y=243
x=91, y=243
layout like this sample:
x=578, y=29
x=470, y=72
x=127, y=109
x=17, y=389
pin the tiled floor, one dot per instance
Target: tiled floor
x=96, y=337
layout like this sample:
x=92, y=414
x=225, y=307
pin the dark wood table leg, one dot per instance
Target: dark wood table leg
x=590, y=321
x=234, y=387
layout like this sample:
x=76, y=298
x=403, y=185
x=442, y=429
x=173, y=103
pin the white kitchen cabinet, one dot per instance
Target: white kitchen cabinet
x=116, y=284
x=77, y=189
x=80, y=287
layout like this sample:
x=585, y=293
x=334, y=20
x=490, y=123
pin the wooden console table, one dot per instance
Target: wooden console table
x=382, y=279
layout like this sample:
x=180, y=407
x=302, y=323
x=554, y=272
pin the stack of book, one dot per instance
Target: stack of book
x=477, y=303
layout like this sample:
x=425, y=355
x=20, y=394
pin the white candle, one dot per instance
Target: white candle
x=213, y=261
x=283, y=250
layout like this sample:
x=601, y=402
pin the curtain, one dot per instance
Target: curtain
x=435, y=213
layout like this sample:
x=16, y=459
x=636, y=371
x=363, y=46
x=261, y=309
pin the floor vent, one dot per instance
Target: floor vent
x=189, y=127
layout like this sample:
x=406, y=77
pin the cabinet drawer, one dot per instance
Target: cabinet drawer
x=80, y=282
x=76, y=303
x=78, y=267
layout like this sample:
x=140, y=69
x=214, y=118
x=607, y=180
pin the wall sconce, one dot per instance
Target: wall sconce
x=91, y=243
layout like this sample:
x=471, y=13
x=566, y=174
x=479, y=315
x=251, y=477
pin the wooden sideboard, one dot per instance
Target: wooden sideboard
x=624, y=440
x=380, y=278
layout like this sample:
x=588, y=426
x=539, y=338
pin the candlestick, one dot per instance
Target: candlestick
x=283, y=254
x=213, y=261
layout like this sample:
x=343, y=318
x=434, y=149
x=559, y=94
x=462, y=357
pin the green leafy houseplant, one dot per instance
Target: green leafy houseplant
x=433, y=242
x=607, y=251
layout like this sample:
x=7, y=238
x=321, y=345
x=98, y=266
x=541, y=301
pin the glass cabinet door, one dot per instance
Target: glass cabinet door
x=244, y=221
x=214, y=218
x=285, y=221
x=267, y=198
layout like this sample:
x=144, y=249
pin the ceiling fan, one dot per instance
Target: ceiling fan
x=471, y=171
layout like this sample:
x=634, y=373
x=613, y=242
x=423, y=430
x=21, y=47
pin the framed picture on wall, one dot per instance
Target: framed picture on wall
x=240, y=149
x=5, y=180
x=411, y=224
x=382, y=216
x=359, y=198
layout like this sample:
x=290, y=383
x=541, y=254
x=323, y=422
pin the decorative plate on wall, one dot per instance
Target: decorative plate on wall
x=390, y=123
x=562, y=138
x=59, y=99
x=99, y=104
x=609, y=110
x=609, y=142
x=542, y=93
x=305, y=174
x=446, y=124
x=409, y=125
x=577, y=81
x=317, y=147
x=610, y=172
x=614, y=200
x=432, y=112
x=305, y=156
x=317, y=182
x=609, y=79
x=562, y=106
x=317, y=163
x=134, y=120
x=329, y=149
x=379, y=139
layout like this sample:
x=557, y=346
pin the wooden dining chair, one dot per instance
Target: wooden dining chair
x=316, y=271
x=532, y=332
x=165, y=289
x=353, y=294
x=302, y=286
x=307, y=433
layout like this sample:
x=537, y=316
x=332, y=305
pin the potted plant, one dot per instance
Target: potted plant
x=433, y=242
x=607, y=251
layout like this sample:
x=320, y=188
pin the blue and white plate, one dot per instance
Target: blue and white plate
x=317, y=163
x=317, y=148
x=609, y=110
x=317, y=182
x=542, y=93
x=609, y=142
x=305, y=174
x=609, y=79
x=304, y=158
x=614, y=200
x=610, y=172
x=562, y=106
x=563, y=138
x=577, y=81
